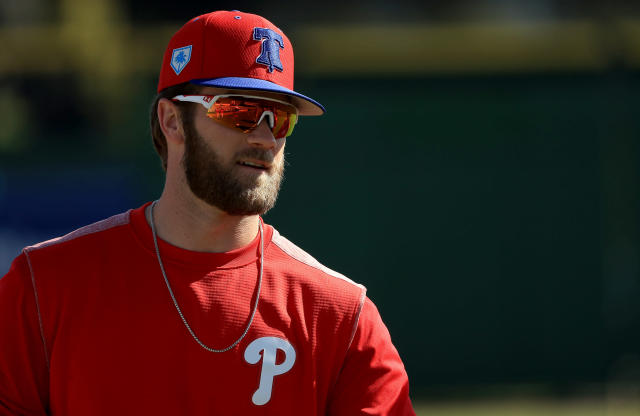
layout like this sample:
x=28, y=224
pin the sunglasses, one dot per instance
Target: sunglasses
x=246, y=112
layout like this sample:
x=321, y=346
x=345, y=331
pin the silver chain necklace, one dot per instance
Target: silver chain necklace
x=175, y=302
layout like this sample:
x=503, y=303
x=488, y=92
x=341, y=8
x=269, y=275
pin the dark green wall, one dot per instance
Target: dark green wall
x=479, y=213
x=493, y=219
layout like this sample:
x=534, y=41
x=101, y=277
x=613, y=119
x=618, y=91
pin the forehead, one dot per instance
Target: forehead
x=258, y=93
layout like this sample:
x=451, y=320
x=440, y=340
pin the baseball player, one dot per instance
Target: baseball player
x=191, y=304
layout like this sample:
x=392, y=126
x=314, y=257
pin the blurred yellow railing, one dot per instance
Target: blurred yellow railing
x=114, y=48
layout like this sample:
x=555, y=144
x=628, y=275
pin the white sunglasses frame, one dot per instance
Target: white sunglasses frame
x=207, y=101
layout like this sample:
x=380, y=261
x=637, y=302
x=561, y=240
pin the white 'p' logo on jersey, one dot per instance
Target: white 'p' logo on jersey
x=269, y=347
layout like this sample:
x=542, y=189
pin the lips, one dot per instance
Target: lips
x=256, y=164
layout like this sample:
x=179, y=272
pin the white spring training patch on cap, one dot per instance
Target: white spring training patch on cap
x=180, y=58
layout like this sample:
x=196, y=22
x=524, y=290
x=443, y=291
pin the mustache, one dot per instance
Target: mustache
x=258, y=154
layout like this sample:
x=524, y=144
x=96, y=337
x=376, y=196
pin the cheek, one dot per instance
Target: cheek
x=219, y=138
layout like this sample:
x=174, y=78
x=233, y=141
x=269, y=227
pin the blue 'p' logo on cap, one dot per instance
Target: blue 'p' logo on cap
x=271, y=44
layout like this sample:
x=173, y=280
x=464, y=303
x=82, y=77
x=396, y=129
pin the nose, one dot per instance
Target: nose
x=262, y=136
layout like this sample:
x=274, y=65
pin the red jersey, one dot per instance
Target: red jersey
x=88, y=327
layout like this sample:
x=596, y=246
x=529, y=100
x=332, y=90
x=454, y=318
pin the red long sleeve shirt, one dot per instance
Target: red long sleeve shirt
x=87, y=327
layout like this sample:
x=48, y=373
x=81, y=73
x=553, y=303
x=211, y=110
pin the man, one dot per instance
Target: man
x=191, y=305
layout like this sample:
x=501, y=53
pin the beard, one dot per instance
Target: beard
x=216, y=183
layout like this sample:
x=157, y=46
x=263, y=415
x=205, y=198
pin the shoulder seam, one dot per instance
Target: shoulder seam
x=302, y=256
x=103, y=225
x=357, y=320
x=35, y=293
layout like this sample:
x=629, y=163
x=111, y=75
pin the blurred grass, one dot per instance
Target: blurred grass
x=530, y=407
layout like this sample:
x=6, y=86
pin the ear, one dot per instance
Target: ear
x=169, y=120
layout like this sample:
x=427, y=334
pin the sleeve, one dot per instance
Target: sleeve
x=23, y=364
x=373, y=380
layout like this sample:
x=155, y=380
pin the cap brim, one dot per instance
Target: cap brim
x=305, y=105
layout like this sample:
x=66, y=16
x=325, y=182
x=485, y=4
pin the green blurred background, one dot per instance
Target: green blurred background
x=477, y=170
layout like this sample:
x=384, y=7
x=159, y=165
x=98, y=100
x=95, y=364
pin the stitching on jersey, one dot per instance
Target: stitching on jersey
x=35, y=293
x=111, y=222
x=302, y=256
x=355, y=325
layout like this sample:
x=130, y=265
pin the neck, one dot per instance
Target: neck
x=197, y=226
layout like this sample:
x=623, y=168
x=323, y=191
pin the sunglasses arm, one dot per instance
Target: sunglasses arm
x=198, y=99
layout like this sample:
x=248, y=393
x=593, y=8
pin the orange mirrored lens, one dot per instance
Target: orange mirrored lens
x=245, y=114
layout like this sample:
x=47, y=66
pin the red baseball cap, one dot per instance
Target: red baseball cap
x=231, y=49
